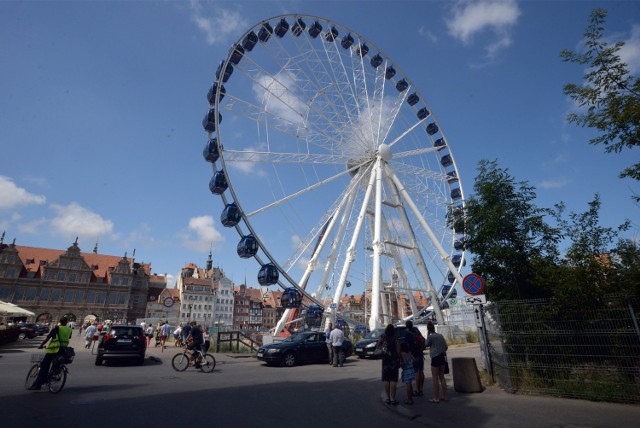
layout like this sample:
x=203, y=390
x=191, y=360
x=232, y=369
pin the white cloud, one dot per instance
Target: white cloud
x=556, y=183
x=428, y=35
x=216, y=22
x=206, y=234
x=630, y=52
x=12, y=196
x=276, y=94
x=74, y=220
x=32, y=227
x=473, y=17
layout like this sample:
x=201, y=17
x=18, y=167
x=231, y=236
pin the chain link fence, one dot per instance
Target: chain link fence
x=588, y=352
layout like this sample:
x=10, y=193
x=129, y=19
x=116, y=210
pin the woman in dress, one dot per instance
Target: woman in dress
x=390, y=363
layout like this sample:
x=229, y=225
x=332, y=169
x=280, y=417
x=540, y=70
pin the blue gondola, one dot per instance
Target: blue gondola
x=331, y=34
x=211, y=95
x=223, y=71
x=440, y=144
x=450, y=277
x=402, y=85
x=247, y=247
x=390, y=72
x=237, y=54
x=291, y=298
x=376, y=61
x=268, y=275
x=282, y=28
x=432, y=129
x=422, y=113
x=313, y=316
x=210, y=152
x=446, y=161
x=362, y=50
x=298, y=27
x=458, y=245
x=249, y=41
x=413, y=99
x=230, y=216
x=315, y=29
x=456, y=260
x=456, y=194
x=265, y=32
x=452, y=177
x=218, y=183
x=208, y=123
x=445, y=290
x=347, y=41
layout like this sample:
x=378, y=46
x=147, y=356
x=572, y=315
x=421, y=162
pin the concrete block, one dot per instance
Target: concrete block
x=466, y=377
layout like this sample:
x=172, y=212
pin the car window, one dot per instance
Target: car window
x=311, y=338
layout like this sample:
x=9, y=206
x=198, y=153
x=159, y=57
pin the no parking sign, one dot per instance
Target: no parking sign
x=473, y=284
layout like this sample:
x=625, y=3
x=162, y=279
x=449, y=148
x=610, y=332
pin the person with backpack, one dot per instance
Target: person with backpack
x=59, y=336
x=418, y=355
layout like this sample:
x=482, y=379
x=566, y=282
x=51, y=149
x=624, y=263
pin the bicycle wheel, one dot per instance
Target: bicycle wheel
x=180, y=362
x=208, y=363
x=57, y=380
x=31, y=376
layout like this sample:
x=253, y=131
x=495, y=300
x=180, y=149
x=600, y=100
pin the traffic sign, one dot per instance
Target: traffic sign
x=168, y=302
x=473, y=284
x=479, y=299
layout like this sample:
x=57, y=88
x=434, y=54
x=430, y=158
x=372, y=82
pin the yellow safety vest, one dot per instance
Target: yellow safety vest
x=60, y=339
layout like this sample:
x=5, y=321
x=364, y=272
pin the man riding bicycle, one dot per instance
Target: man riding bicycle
x=196, y=340
x=59, y=337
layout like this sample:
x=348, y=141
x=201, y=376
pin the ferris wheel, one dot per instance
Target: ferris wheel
x=334, y=172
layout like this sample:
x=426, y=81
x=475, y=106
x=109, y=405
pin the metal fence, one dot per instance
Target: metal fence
x=589, y=352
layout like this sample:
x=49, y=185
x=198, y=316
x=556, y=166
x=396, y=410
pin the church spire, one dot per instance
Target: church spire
x=95, y=248
x=210, y=260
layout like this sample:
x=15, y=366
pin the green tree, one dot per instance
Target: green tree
x=610, y=94
x=513, y=248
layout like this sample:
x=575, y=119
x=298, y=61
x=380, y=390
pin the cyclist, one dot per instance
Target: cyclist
x=59, y=336
x=196, y=339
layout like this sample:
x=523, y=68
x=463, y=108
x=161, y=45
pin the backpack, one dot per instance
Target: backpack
x=420, y=342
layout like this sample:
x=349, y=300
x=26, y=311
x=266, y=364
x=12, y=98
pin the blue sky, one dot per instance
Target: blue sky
x=102, y=103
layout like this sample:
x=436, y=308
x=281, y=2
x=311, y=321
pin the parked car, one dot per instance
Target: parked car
x=27, y=331
x=299, y=348
x=367, y=345
x=122, y=342
x=42, y=329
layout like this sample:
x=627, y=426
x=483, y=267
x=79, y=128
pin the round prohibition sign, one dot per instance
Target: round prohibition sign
x=473, y=284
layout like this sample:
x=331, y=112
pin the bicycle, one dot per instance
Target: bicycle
x=56, y=378
x=181, y=361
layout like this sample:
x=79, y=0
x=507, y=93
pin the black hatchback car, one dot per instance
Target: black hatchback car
x=367, y=345
x=122, y=342
x=305, y=347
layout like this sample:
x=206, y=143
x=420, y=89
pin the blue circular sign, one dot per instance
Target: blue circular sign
x=473, y=284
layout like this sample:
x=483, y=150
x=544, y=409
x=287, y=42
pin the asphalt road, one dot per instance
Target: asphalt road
x=243, y=392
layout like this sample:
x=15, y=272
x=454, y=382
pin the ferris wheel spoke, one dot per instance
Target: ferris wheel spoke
x=276, y=158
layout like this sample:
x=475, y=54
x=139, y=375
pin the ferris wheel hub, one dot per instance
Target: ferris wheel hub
x=384, y=151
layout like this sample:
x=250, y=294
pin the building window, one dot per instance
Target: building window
x=55, y=295
x=102, y=296
x=60, y=277
x=76, y=264
x=31, y=293
x=11, y=273
x=91, y=297
x=68, y=296
x=79, y=296
x=72, y=277
x=122, y=298
x=113, y=298
x=44, y=295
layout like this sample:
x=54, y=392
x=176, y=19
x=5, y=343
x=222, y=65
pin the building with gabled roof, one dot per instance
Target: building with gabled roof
x=83, y=286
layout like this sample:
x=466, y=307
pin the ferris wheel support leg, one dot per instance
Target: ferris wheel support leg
x=351, y=251
x=374, y=320
x=443, y=254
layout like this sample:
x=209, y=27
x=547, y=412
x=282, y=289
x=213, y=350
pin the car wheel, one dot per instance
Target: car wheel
x=21, y=336
x=140, y=361
x=98, y=361
x=289, y=360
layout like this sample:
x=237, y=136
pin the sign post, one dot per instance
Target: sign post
x=473, y=284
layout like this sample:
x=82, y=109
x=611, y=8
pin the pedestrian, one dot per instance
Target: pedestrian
x=149, y=335
x=418, y=354
x=59, y=336
x=438, y=352
x=337, y=337
x=177, y=335
x=88, y=335
x=407, y=361
x=164, y=332
x=327, y=333
x=388, y=346
x=206, y=344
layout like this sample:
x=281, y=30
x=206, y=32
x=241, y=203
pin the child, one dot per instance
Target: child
x=408, y=372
